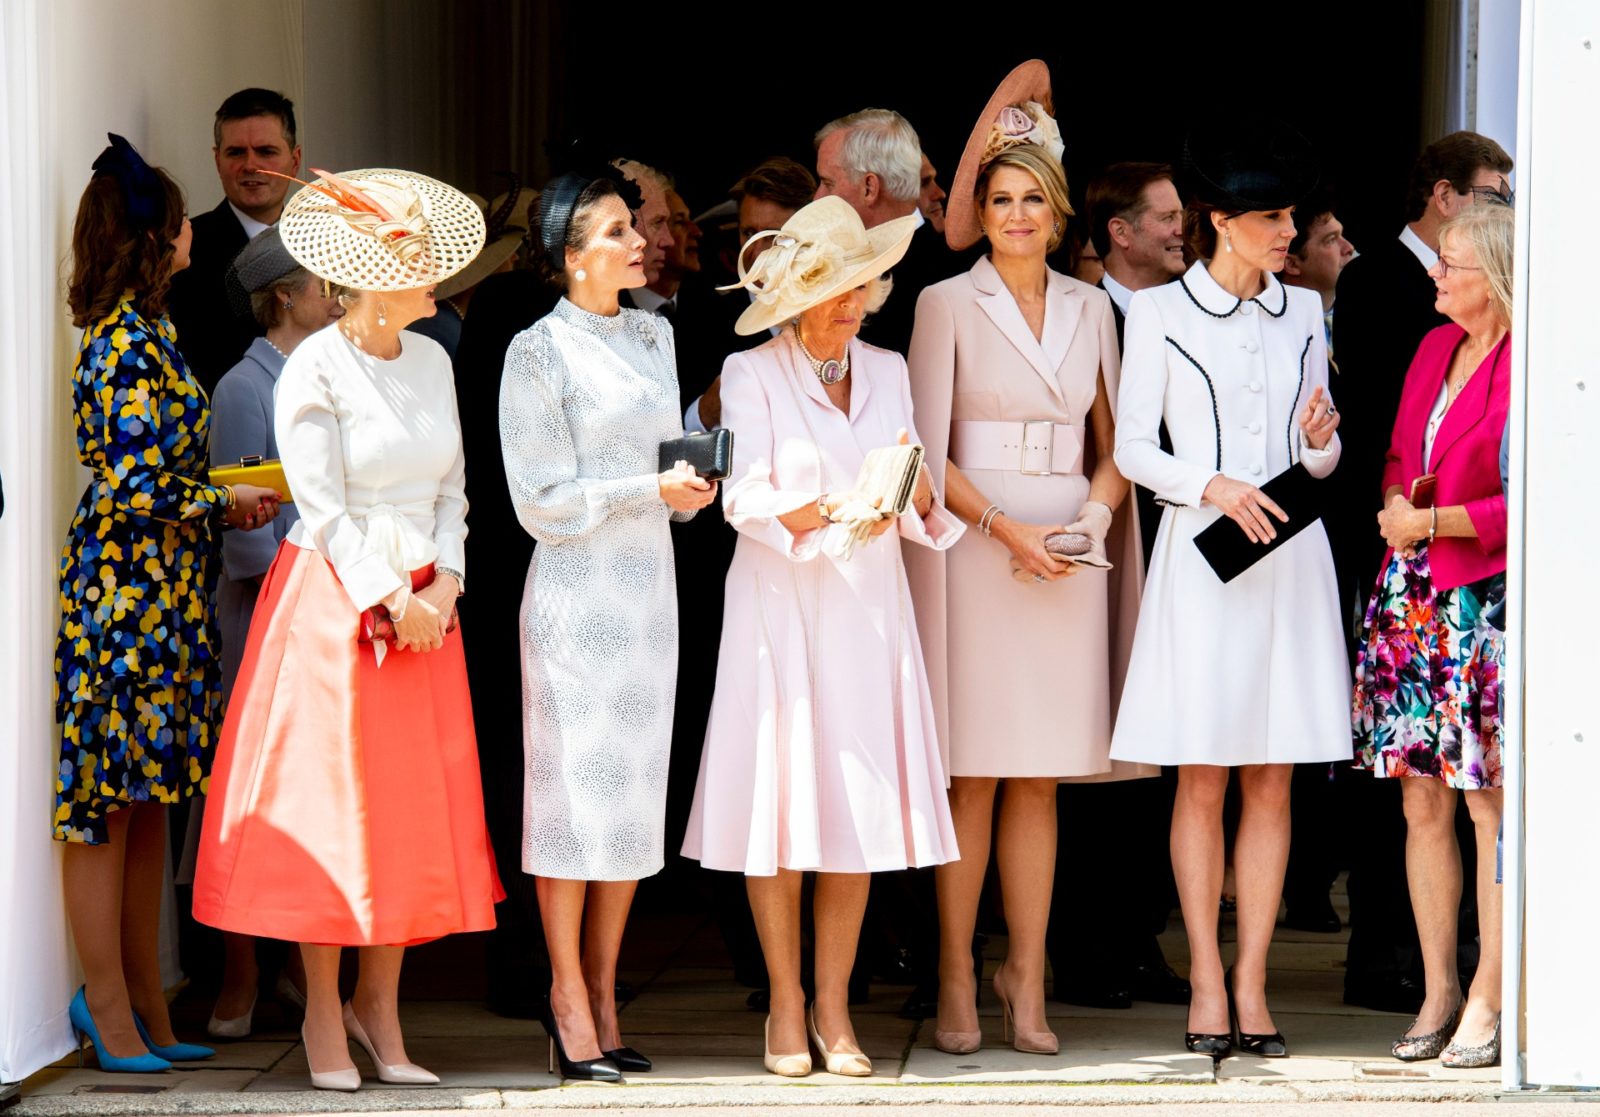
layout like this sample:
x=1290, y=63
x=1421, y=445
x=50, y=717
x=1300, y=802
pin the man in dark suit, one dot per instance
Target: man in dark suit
x=254, y=131
x=1385, y=307
x=1109, y=910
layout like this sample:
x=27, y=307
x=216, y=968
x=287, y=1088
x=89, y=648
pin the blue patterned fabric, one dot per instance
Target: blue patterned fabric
x=137, y=689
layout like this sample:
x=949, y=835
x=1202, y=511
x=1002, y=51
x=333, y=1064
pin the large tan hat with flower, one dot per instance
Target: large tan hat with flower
x=507, y=223
x=1020, y=112
x=821, y=252
x=381, y=229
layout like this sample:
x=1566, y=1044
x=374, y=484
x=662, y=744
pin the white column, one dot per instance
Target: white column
x=1552, y=821
x=35, y=965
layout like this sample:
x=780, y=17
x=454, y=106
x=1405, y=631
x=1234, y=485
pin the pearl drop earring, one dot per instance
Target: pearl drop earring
x=580, y=275
x=383, y=313
x=1227, y=242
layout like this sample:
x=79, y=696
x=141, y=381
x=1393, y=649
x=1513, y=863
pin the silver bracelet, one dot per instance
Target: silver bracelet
x=456, y=574
x=986, y=521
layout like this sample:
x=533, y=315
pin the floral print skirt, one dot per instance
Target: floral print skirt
x=1427, y=690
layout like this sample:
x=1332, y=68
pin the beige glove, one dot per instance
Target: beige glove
x=1094, y=520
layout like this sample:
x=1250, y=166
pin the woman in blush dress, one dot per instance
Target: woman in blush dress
x=821, y=752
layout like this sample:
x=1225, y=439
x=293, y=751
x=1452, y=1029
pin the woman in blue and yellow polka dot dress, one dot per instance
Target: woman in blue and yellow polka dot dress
x=137, y=686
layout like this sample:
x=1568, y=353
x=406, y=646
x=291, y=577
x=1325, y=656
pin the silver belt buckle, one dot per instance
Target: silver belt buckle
x=1049, y=447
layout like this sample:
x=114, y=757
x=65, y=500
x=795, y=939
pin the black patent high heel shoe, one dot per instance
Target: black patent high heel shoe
x=1219, y=1045
x=627, y=1058
x=592, y=1070
x=1264, y=1045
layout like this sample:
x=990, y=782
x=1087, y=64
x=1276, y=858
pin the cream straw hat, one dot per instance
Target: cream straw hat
x=820, y=253
x=381, y=229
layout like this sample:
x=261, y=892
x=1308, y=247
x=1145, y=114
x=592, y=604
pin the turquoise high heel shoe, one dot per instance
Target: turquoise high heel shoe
x=83, y=1026
x=173, y=1052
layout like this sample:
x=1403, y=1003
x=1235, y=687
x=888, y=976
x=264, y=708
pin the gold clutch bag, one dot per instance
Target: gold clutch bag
x=253, y=469
x=888, y=477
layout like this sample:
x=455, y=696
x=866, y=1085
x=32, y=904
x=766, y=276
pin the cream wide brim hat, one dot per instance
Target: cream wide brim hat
x=820, y=253
x=432, y=231
x=1028, y=82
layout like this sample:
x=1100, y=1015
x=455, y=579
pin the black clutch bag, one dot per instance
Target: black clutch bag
x=710, y=454
x=1230, y=552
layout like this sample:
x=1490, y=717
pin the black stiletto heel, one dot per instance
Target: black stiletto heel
x=592, y=1070
x=1265, y=1045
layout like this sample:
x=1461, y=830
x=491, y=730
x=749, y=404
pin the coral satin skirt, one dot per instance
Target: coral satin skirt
x=344, y=803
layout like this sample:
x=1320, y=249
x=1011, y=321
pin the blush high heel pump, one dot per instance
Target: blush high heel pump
x=400, y=1074
x=83, y=1027
x=237, y=1027
x=1030, y=1043
x=346, y=1080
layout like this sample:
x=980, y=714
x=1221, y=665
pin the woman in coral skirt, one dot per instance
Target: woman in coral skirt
x=346, y=804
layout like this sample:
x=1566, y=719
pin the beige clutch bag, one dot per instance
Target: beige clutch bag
x=888, y=478
x=254, y=470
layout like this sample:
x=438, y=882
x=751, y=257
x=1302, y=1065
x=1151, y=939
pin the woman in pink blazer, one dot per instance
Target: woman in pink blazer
x=1427, y=679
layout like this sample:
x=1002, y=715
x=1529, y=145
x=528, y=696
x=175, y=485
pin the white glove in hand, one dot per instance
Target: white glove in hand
x=1094, y=520
x=856, y=516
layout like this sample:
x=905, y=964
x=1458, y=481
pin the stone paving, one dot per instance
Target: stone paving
x=690, y=1017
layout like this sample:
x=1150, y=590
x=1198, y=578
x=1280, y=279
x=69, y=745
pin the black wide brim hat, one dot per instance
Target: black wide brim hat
x=1240, y=165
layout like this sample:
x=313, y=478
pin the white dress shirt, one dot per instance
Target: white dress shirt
x=252, y=227
x=1425, y=255
x=1120, y=295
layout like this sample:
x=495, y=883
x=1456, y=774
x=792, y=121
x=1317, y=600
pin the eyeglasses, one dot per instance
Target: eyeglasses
x=1446, y=267
x=1490, y=194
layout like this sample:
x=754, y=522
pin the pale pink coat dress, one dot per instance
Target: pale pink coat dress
x=1025, y=675
x=821, y=751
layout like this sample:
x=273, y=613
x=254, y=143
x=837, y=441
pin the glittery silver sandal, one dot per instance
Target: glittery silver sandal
x=1411, y=1049
x=1481, y=1055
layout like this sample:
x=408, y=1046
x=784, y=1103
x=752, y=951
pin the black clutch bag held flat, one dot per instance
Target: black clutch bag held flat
x=1230, y=552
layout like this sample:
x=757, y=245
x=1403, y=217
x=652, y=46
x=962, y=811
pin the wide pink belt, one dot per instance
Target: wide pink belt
x=1038, y=447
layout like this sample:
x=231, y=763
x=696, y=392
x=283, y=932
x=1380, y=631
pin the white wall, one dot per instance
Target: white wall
x=58, y=98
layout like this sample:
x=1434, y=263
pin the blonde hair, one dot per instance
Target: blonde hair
x=1046, y=171
x=1489, y=228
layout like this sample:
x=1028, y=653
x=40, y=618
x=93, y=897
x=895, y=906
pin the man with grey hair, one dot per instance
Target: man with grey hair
x=873, y=160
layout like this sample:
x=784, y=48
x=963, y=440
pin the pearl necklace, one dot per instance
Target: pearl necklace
x=275, y=349
x=830, y=372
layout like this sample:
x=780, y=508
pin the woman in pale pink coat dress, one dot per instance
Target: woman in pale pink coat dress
x=821, y=752
x=1014, y=374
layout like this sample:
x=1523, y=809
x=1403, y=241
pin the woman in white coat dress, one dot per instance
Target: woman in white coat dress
x=1236, y=366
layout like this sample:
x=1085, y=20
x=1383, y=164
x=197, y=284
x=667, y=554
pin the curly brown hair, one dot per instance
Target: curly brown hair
x=110, y=256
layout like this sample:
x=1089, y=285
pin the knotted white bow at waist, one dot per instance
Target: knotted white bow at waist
x=392, y=531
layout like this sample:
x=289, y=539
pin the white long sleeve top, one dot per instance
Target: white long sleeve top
x=372, y=453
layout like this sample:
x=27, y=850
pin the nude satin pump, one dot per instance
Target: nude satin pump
x=401, y=1074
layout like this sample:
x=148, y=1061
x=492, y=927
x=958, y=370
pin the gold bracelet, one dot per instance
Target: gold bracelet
x=232, y=499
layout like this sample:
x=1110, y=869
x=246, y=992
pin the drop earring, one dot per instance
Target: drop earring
x=580, y=275
x=1227, y=242
x=383, y=313
x=288, y=302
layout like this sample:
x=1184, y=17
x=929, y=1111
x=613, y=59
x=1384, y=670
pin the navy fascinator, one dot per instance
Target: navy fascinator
x=143, y=194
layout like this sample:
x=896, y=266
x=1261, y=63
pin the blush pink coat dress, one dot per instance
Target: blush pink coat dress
x=821, y=751
x=1026, y=675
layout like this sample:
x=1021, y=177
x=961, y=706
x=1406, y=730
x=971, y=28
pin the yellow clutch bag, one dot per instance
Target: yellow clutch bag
x=253, y=469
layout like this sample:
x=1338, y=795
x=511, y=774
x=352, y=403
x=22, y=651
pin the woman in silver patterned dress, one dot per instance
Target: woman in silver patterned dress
x=589, y=393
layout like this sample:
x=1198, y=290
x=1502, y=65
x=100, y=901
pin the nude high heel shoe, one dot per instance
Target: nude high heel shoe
x=347, y=1079
x=1030, y=1043
x=851, y=1063
x=787, y=1066
x=401, y=1074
